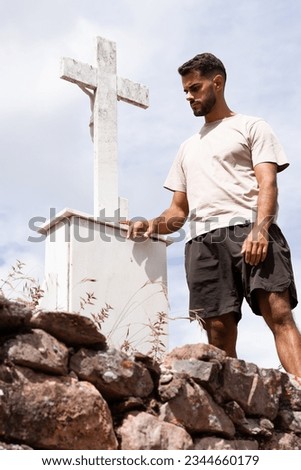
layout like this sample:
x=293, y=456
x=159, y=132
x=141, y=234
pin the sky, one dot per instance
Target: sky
x=46, y=150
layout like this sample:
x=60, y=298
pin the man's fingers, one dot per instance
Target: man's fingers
x=130, y=227
x=264, y=253
x=138, y=229
x=254, y=252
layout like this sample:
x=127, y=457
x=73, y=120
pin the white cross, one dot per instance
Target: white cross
x=107, y=88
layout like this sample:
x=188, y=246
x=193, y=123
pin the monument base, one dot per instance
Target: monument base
x=91, y=268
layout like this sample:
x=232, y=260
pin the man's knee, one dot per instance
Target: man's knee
x=221, y=329
x=222, y=333
x=273, y=301
x=275, y=307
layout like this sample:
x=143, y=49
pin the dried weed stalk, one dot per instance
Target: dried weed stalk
x=127, y=346
x=88, y=300
x=102, y=315
x=26, y=289
x=21, y=287
x=130, y=345
x=157, y=331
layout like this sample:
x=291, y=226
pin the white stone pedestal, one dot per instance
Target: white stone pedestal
x=87, y=257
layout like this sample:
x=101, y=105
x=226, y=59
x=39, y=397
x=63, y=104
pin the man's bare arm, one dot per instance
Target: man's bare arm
x=256, y=244
x=171, y=220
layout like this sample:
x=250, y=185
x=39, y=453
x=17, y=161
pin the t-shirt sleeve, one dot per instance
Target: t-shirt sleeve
x=176, y=179
x=265, y=146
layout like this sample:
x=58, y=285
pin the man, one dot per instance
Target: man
x=225, y=179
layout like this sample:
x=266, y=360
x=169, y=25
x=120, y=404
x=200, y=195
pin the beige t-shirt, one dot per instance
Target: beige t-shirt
x=215, y=168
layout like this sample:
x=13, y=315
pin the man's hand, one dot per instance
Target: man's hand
x=138, y=229
x=255, y=246
x=171, y=220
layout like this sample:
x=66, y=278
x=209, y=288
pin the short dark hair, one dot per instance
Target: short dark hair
x=205, y=63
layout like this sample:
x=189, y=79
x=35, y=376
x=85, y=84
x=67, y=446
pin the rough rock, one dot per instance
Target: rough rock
x=242, y=383
x=248, y=426
x=291, y=396
x=38, y=350
x=216, y=443
x=203, y=373
x=61, y=387
x=47, y=412
x=200, y=351
x=283, y=441
x=144, y=431
x=72, y=329
x=290, y=420
x=195, y=410
x=13, y=315
x=4, y=446
x=113, y=373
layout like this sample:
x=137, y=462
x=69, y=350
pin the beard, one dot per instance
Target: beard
x=204, y=106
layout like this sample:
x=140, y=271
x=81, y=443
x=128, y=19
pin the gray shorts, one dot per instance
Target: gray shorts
x=219, y=279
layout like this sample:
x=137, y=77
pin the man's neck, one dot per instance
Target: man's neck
x=219, y=114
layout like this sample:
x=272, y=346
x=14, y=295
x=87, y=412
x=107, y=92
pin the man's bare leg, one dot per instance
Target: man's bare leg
x=276, y=310
x=222, y=333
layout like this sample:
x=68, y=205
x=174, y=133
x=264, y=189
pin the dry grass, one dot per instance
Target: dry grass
x=21, y=287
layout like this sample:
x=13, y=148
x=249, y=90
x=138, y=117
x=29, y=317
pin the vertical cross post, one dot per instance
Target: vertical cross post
x=107, y=88
x=105, y=131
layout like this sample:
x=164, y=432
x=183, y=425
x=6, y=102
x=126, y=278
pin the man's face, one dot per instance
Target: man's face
x=200, y=93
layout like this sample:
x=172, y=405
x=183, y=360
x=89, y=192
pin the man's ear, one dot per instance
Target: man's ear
x=219, y=82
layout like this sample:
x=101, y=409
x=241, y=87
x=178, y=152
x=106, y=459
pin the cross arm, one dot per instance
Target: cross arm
x=87, y=76
x=78, y=72
x=133, y=93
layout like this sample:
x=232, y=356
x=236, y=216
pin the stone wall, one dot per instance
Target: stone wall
x=63, y=388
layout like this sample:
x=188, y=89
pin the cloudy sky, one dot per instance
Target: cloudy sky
x=46, y=152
